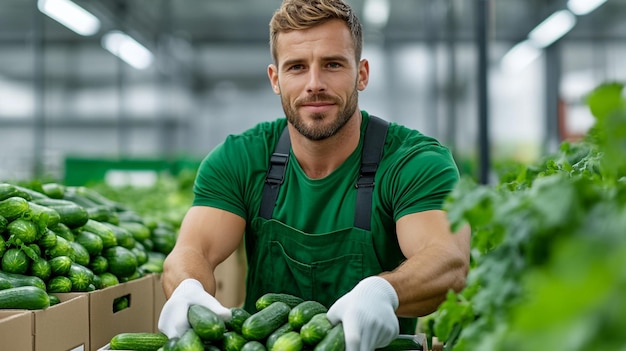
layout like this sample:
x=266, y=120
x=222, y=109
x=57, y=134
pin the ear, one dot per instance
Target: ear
x=272, y=74
x=364, y=75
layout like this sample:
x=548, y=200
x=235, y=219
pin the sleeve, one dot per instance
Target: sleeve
x=218, y=181
x=423, y=180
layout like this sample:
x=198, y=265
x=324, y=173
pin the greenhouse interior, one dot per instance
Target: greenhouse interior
x=111, y=109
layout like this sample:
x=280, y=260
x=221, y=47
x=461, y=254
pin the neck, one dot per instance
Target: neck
x=320, y=158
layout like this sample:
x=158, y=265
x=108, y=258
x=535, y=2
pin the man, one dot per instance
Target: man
x=376, y=249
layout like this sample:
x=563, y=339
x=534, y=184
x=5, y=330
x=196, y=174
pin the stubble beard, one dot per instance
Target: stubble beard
x=316, y=130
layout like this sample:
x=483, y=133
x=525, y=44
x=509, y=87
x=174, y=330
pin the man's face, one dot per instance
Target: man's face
x=318, y=79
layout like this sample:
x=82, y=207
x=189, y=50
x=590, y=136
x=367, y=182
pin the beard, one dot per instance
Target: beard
x=317, y=130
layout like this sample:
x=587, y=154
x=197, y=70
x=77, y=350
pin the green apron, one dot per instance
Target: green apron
x=321, y=267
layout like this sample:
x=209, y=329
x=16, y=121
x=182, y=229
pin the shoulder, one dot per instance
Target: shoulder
x=264, y=133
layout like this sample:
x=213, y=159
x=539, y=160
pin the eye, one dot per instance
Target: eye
x=297, y=67
x=334, y=65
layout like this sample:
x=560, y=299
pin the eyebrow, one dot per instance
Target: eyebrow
x=339, y=58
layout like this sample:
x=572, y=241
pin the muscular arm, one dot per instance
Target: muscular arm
x=437, y=260
x=207, y=237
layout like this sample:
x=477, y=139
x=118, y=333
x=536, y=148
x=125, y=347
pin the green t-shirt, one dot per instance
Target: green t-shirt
x=415, y=174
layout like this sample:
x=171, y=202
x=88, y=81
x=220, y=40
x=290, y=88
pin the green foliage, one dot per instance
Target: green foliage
x=548, y=247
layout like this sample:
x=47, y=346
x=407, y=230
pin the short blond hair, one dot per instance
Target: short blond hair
x=304, y=14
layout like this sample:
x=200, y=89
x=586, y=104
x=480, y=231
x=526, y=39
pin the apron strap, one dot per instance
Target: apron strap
x=373, y=143
x=275, y=175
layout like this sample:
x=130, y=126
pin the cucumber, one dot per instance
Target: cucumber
x=51, y=217
x=138, y=341
x=59, y=284
x=108, y=279
x=99, y=264
x=123, y=237
x=64, y=231
x=189, y=341
x=47, y=239
x=140, y=253
x=24, y=230
x=262, y=323
x=315, y=329
x=61, y=248
x=60, y=265
x=23, y=280
x=233, y=341
x=5, y=284
x=81, y=255
x=100, y=229
x=53, y=190
x=208, y=325
x=81, y=277
x=41, y=268
x=3, y=224
x=164, y=239
x=24, y=297
x=333, y=341
x=170, y=344
x=138, y=230
x=303, y=312
x=402, y=344
x=239, y=315
x=29, y=194
x=271, y=339
x=122, y=262
x=90, y=241
x=99, y=213
x=71, y=213
x=13, y=207
x=7, y=190
x=267, y=299
x=15, y=261
x=253, y=346
x=54, y=299
x=290, y=341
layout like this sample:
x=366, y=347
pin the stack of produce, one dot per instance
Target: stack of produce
x=282, y=322
x=57, y=239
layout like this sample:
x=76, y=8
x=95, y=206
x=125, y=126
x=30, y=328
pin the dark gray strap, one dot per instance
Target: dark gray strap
x=373, y=144
x=275, y=175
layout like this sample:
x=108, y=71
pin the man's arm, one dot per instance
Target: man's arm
x=437, y=260
x=207, y=237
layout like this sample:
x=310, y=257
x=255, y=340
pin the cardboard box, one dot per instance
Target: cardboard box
x=159, y=300
x=64, y=326
x=230, y=279
x=16, y=330
x=105, y=322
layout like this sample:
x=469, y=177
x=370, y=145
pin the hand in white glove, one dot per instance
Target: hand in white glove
x=368, y=314
x=173, y=319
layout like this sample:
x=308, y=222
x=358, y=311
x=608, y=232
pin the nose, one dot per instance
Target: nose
x=315, y=82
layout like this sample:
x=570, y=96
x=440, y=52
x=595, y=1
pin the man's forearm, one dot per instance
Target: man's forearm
x=183, y=264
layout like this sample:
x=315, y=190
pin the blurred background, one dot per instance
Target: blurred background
x=91, y=87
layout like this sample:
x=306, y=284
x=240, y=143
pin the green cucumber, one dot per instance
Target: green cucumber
x=47, y=239
x=72, y=214
x=25, y=230
x=314, y=330
x=122, y=262
x=206, y=323
x=5, y=284
x=59, y=284
x=123, y=236
x=189, y=341
x=90, y=241
x=262, y=323
x=253, y=346
x=333, y=341
x=104, y=232
x=267, y=299
x=3, y=224
x=24, y=297
x=271, y=339
x=402, y=344
x=239, y=315
x=233, y=341
x=303, y=312
x=23, y=280
x=61, y=248
x=13, y=207
x=15, y=261
x=170, y=344
x=108, y=279
x=99, y=264
x=60, y=265
x=40, y=268
x=138, y=341
x=63, y=231
x=54, y=299
x=290, y=341
x=7, y=190
x=53, y=190
x=138, y=230
x=37, y=212
x=81, y=277
x=81, y=255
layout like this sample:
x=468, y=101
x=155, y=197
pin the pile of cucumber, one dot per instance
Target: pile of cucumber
x=58, y=239
x=282, y=322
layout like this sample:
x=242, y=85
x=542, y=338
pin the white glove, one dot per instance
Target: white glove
x=368, y=314
x=173, y=319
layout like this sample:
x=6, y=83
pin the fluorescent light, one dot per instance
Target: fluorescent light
x=128, y=49
x=376, y=12
x=520, y=56
x=583, y=7
x=70, y=15
x=552, y=28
